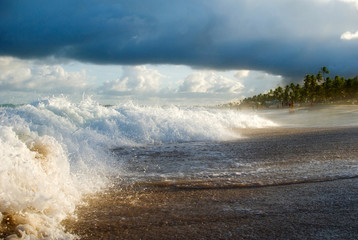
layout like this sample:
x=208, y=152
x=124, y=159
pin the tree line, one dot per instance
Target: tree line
x=316, y=88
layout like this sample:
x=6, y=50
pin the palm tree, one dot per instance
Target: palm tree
x=324, y=70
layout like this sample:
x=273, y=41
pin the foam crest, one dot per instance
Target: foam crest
x=174, y=124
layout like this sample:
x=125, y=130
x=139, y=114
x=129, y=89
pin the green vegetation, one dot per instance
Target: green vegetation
x=316, y=89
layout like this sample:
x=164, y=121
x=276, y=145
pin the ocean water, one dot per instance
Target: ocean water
x=53, y=152
x=292, y=176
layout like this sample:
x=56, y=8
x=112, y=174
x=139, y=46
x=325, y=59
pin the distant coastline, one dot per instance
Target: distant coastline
x=319, y=89
x=278, y=105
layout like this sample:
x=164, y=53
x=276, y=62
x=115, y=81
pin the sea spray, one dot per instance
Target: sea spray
x=49, y=159
x=36, y=186
x=175, y=124
x=53, y=151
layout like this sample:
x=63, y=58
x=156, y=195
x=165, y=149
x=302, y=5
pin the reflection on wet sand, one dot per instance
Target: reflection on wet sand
x=325, y=210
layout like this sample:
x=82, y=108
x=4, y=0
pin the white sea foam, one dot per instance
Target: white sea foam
x=53, y=151
x=35, y=182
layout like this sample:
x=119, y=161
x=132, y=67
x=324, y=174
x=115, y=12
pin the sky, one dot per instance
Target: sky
x=170, y=51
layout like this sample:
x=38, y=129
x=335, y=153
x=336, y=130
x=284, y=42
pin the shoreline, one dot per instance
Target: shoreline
x=305, y=210
x=299, y=106
x=324, y=210
x=253, y=133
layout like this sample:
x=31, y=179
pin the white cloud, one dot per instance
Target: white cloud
x=13, y=72
x=135, y=79
x=22, y=75
x=50, y=77
x=256, y=82
x=210, y=82
x=24, y=81
x=242, y=74
x=354, y=2
x=349, y=36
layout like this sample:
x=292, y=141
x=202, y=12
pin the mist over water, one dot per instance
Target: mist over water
x=316, y=116
x=54, y=151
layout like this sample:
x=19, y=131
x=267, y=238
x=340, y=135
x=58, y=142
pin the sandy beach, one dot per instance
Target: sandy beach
x=325, y=208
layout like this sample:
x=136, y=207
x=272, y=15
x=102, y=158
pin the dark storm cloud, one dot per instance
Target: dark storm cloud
x=288, y=38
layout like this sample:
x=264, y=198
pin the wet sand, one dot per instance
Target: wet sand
x=312, y=210
x=324, y=210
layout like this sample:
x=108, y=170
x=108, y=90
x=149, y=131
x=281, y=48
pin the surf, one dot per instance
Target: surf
x=55, y=151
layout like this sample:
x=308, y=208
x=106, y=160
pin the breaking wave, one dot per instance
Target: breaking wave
x=53, y=151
